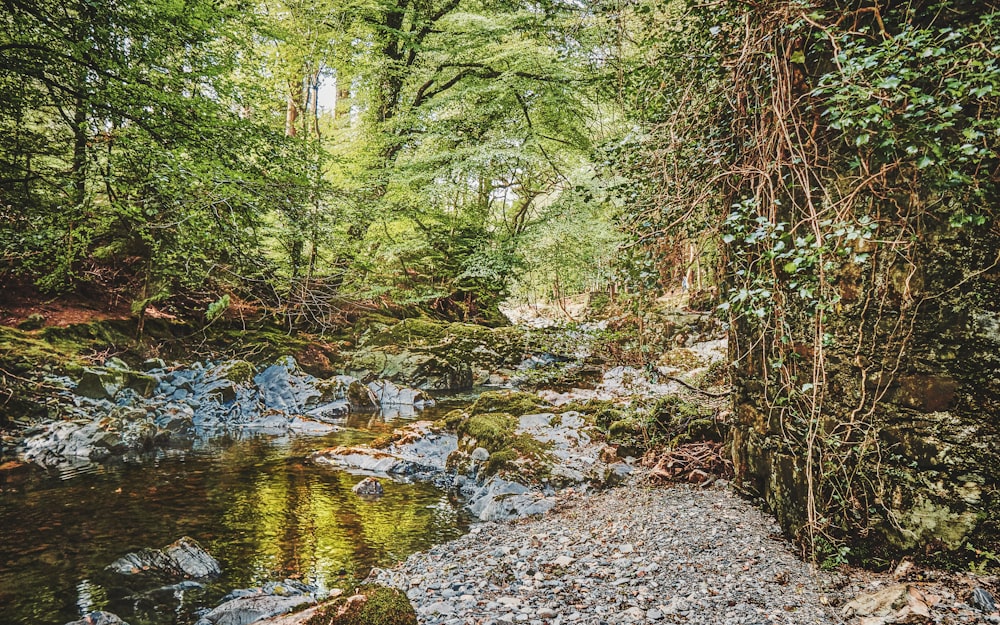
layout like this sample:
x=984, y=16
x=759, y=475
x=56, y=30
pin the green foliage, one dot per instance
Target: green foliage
x=925, y=100
x=216, y=308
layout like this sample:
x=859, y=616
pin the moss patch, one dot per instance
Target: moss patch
x=372, y=605
x=512, y=402
x=494, y=430
x=522, y=456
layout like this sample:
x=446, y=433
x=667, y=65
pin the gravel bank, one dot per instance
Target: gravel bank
x=634, y=554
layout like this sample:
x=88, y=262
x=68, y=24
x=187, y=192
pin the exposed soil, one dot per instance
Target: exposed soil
x=18, y=301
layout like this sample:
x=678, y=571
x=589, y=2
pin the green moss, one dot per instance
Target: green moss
x=380, y=606
x=452, y=420
x=238, y=371
x=472, y=344
x=499, y=460
x=625, y=428
x=23, y=353
x=494, y=431
x=512, y=402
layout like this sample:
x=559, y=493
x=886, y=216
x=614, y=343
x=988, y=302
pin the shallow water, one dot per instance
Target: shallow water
x=256, y=505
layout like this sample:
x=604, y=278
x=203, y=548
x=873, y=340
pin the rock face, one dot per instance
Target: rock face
x=910, y=403
x=139, y=411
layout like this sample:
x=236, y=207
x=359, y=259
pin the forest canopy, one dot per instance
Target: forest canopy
x=297, y=153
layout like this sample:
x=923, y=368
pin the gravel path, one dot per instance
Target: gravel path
x=635, y=554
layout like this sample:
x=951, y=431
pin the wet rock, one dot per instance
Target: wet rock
x=183, y=558
x=419, y=450
x=389, y=394
x=282, y=390
x=127, y=412
x=192, y=559
x=369, y=487
x=99, y=618
x=361, y=397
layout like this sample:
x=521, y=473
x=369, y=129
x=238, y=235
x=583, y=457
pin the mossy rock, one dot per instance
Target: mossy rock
x=512, y=402
x=469, y=343
x=35, y=321
x=22, y=353
x=499, y=460
x=493, y=431
x=700, y=430
x=371, y=605
x=238, y=371
x=624, y=428
x=142, y=383
x=452, y=420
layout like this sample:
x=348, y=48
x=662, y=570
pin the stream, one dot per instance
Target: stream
x=256, y=505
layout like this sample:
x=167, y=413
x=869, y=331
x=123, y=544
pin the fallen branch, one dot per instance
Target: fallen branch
x=696, y=389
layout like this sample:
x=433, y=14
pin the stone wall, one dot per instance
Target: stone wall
x=907, y=453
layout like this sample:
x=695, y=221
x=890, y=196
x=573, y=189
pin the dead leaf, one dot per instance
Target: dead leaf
x=917, y=603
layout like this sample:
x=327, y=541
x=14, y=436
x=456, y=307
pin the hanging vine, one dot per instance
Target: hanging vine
x=831, y=145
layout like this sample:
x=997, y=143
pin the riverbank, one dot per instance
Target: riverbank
x=646, y=553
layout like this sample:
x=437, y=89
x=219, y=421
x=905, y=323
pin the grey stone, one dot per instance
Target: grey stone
x=253, y=608
x=982, y=600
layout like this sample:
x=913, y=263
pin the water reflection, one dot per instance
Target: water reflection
x=256, y=505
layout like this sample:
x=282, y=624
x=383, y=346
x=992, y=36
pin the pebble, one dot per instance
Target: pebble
x=632, y=554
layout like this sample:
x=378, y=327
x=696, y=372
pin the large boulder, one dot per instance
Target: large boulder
x=184, y=558
x=416, y=368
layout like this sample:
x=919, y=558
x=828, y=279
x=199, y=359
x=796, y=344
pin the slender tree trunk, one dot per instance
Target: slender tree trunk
x=292, y=108
x=79, y=172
